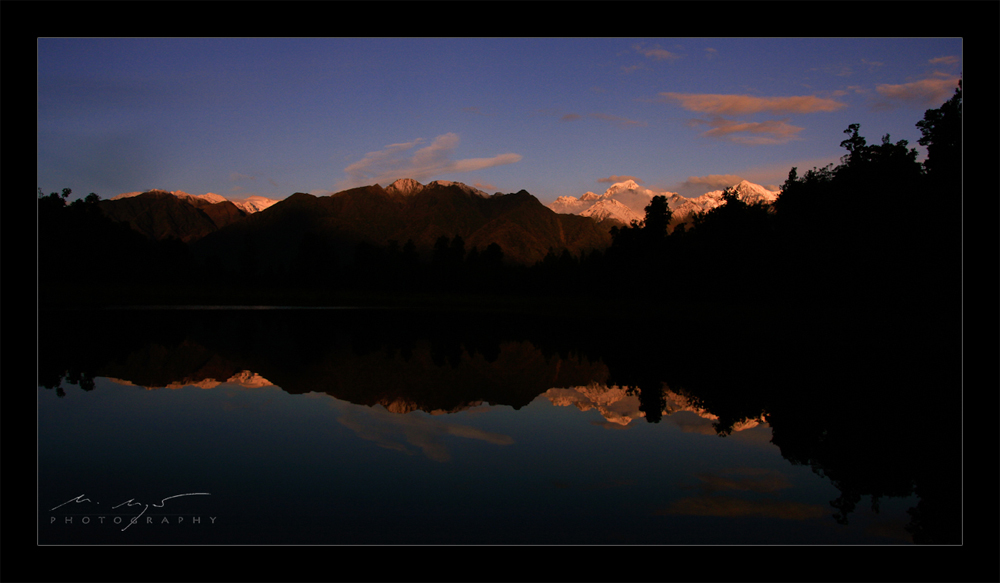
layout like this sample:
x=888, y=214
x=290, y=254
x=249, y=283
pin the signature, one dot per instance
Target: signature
x=130, y=503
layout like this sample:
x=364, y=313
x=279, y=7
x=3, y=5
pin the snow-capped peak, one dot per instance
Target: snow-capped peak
x=635, y=198
x=751, y=192
x=249, y=205
x=620, y=186
x=747, y=192
x=609, y=208
x=208, y=197
x=465, y=187
x=254, y=204
x=405, y=187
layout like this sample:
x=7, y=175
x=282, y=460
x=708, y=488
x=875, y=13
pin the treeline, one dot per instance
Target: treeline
x=365, y=266
x=80, y=249
x=877, y=234
x=878, y=231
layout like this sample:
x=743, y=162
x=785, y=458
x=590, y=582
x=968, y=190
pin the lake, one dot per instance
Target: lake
x=379, y=427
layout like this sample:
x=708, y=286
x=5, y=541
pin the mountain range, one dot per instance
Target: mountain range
x=220, y=232
x=274, y=232
x=161, y=215
x=626, y=202
x=248, y=205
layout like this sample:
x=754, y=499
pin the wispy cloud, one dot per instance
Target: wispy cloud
x=851, y=89
x=770, y=176
x=872, y=65
x=716, y=104
x=924, y=93
x=656, y=53
x=769, y=132
x=614, y=119
x=752, y=133
x=237, y=176
x=406, y=160
x=948, y=60
x=696, y=185
x=614, y=178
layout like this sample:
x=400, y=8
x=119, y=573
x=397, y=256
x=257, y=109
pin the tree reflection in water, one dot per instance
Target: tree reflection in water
x=875, y=416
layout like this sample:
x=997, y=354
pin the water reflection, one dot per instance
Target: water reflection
x=429, y=385
x=390, y=430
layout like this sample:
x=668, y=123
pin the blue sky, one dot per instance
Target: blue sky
x=553, y=116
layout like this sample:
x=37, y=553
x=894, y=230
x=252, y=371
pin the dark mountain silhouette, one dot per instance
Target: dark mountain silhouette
x=161, y=215
x=272, y=239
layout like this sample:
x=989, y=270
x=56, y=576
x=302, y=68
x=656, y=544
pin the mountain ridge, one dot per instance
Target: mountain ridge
x=249, y=205
x=278, y=233
x=405, y=211
x=163, y=215
x=634, y=198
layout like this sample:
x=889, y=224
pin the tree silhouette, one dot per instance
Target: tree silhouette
x=441, y=255
x=492, y=257
x=876, y=170
x=728, y=248
x=658, y=215
x=456, y=251
x=941, y=134
x=80, y=247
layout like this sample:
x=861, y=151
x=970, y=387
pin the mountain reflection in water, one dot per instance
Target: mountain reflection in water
x=865, y=443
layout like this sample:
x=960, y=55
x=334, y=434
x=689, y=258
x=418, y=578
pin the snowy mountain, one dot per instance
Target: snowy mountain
x=610, y=208
x=570, y=205
x=685, y=209
x=623, y=201
x=634, y=198
x=248, y=205
x=405, y=187
x=405, y=211
x=254, y=204
x=631, y=195
x=409, y=187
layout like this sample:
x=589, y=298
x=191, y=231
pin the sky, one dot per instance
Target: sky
x=553, y=116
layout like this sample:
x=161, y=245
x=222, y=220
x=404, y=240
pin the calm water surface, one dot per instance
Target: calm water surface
x=310, y=427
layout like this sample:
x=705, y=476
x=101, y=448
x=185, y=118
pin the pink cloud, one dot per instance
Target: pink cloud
x=614, y=178
x=716, y=104
x=761, y=133
x=397, y=161
x=657, y=53
x=949, y=60
x=925, y=92
x=711, y=182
